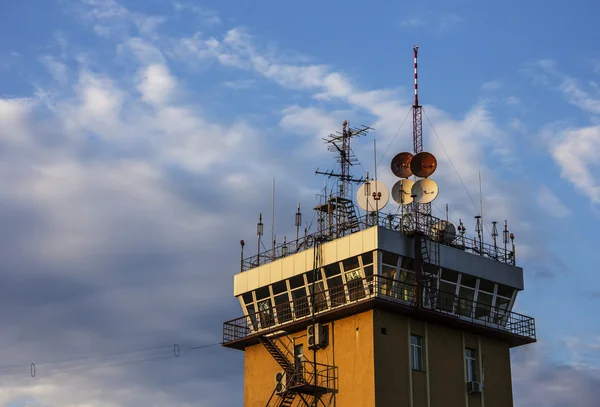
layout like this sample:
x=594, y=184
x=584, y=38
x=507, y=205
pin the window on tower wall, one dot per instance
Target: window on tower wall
x=471, y=364
x=416, y=352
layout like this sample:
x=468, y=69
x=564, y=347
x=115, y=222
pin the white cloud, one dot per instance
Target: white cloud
x=156, y=84
x=574, y=150
x=58, y=70
x=550, y=203
x=450, y=20
x=207, y=17
x=569, y=86
x=240, y=84
x=412, y=22
x=492, y=85
x=513, y=101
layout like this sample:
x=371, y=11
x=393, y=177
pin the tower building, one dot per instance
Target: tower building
x=385, y=307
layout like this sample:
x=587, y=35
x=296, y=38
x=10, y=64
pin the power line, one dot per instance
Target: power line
x=156, y=353
x=394, y=138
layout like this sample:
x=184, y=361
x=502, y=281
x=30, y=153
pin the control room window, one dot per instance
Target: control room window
x=471, y=364
x=416, y=352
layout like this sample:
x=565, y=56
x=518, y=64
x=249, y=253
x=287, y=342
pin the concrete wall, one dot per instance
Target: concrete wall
x=374, y=366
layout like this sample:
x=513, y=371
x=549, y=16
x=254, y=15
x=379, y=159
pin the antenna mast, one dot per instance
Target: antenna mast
x=341, y=205
x=422, y=211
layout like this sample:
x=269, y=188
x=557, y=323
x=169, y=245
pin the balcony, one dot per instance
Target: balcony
x=381, y=292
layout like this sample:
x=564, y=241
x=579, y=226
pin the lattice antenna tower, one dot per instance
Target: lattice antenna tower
x=340, y=204
x=422, y=211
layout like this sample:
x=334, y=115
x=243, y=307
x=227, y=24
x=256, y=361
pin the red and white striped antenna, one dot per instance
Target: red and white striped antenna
x=417, y=113
x=416, y=104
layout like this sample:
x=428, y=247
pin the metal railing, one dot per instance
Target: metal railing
x=393, y=222
x=362, y=289
x=308, y=373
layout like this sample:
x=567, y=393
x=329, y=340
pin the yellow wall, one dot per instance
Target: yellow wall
x=350, y=349
x=374, y=368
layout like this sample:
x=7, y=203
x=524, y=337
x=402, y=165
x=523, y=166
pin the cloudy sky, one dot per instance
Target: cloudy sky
x=139, y=140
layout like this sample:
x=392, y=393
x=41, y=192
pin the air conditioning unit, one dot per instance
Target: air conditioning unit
x=280, y=382
x=474, y=387
x=315, y=336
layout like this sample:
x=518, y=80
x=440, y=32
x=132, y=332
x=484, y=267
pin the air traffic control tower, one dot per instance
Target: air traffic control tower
x=384, y=309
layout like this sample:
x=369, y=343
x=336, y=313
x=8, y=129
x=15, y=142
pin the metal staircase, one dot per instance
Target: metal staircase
x=347, y=216
x=302, y=377
x=430, y=249
x=277, y=354
x=287, y=397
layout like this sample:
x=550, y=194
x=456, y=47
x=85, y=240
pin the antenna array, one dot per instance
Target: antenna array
x=337, y=216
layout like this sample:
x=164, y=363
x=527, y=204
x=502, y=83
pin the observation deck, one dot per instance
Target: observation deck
x=466, y=284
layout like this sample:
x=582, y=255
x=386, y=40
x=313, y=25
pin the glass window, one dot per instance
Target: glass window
x=484, y=305
x=252, y=317
x=468, y=280
x=354, y=281
x=367, y=258
x=369, y=277
x=298, y=354
x=332, y=270
x=320, y=300
x=300, y=302
x=336, y=291
x=449, y=275
x=487, y=286
x=471, y=364
x=465, y=301
x=407, y=263
x=416, y=352
x=279, y=287
x=505, y=291
x=406, y=286
x=296, y=281
x=351, y=263
x=265, y=313
x=447, y=296
x=282, y=308
x=310, y=276
x=387, y=282
x=262, y=293
x=390, y=258
x=247, y=297
x=501, y=310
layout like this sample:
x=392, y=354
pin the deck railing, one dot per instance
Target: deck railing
x=362, y=289
x=393, y=222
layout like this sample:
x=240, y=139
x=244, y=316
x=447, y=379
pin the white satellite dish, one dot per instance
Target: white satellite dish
x=443, y=231
x=369, y=202
x=425, y=190
x=401, y=191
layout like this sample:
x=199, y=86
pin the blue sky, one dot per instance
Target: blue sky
x=138, y=141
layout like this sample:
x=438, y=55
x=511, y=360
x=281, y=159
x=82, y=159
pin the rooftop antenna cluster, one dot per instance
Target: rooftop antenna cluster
x=414, y=192
x=336, y=207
